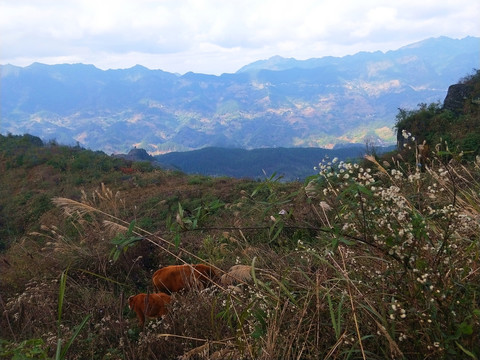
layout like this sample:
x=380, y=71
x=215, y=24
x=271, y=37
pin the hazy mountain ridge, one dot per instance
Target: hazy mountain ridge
x=287, y=103
x=429, y=47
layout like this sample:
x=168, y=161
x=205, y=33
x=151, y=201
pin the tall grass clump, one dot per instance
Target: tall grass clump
x=411, y=264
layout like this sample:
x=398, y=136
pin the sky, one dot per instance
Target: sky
x=219, y=36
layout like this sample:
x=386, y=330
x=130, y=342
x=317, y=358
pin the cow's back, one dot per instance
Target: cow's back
x=174, y=278
x=155, y=304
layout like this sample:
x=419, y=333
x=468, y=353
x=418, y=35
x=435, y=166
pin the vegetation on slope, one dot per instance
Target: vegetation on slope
x=363, y=261
x=456, y=123
x=31, y=173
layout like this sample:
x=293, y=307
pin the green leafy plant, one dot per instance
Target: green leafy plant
x=122, y=242
x=27, y=349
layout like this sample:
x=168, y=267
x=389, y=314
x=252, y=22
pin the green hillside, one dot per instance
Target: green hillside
x=363, y=261
x=456, y=122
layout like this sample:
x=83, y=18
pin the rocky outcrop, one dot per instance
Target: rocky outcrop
x=139, y=155
x=136, y=155
x=456, y=96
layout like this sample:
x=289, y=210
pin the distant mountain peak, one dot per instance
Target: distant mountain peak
x=139, y=67
x=442, y=41
x=275, y=62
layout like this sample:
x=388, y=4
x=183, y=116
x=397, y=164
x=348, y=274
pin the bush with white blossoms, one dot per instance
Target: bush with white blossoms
x=416, y=236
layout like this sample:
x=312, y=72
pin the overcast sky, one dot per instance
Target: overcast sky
x=218, y=36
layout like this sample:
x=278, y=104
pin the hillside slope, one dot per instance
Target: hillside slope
x=456, y=122
x=391, y=247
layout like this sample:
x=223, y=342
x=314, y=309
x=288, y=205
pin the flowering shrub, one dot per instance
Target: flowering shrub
x=415, y=252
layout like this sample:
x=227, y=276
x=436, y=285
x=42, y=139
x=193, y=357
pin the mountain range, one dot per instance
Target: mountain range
x=279, y=102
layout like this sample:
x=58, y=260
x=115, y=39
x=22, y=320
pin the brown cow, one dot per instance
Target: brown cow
x=149, y=305
x=177, y=277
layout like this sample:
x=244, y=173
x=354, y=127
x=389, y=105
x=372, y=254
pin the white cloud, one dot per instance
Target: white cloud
x=215, y=36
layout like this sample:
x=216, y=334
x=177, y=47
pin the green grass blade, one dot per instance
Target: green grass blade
x=59, y=349
x=61, y=294
x=74, y=335
x=469, y=353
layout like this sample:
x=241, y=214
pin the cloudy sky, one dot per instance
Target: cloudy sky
x=218, y=36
